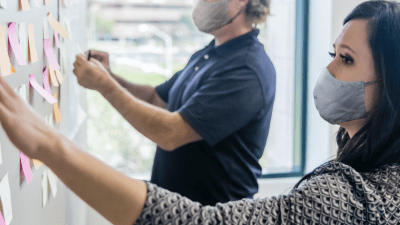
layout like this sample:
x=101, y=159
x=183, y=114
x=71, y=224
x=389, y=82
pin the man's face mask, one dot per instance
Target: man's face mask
x=210, y=16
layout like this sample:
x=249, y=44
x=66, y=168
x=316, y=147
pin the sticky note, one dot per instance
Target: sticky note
x=22, y=92
x=45, y=28
x=45, y=188
x=50, y=54
x=53, y=182
x=23, y=40
x=37, y=3
x=1, y=157
x=32, y=44
x=41, y=91
x=26, y=167
x=57, y=26
x=59, y=76
x=53, y=77
x=65, y=3
x=46, y=84
x=5, y=64
x=37, y=163
x=48, y=2
x=25, y=5
x=51, y=123
x=12, y=37
x=3, y=4
x=56, y=110
x=5, y=195
x=2, y=221
x=56, y=39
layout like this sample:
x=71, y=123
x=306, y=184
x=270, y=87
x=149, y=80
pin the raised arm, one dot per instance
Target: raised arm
x=145, y=93
x=117, y=197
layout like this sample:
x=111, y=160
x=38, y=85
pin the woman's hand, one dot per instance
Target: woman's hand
x=102, y=57
x=26, y=130
x=91, y=74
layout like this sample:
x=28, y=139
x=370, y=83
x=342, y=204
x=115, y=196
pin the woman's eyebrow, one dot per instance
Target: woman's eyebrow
x=345, y=46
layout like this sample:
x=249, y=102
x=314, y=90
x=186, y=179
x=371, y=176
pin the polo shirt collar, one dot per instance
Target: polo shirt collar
x=234, y=44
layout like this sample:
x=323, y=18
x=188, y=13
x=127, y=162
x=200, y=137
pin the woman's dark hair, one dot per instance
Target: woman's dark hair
x=377, y=143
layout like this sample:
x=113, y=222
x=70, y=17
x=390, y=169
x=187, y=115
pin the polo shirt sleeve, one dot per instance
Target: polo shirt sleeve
x=163, y=89
x=224, y=104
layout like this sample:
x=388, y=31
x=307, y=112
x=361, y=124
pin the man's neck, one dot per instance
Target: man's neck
x=226, y=35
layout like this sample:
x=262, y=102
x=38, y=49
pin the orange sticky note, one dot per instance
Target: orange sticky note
x=32, y=45
x=59, y=76
x=48, y=2
x=25, y=5
x=37, y=163
x=5, y=64
x=56, y=110
x=53, y=77
x=57, y=26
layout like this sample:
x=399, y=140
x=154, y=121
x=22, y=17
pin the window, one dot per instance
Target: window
x=149, y=40
x=284, y=38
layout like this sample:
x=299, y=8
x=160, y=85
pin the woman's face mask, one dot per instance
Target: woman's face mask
x=210, y=16
x=340, y=101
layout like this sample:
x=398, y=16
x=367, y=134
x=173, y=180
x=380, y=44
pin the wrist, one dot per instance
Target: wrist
x=54, y=150
x=108, y=87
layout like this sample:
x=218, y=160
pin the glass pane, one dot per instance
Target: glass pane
x=278, y=37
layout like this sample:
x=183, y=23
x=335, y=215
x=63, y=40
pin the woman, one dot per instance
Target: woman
x=360, y=186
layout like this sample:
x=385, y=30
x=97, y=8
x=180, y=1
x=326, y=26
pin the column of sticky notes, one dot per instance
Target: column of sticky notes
x=18, y=49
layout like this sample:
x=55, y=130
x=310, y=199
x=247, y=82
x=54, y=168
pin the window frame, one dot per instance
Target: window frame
x=300, y=92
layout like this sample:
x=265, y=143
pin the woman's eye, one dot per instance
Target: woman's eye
x=346, y=59
x=333, y=55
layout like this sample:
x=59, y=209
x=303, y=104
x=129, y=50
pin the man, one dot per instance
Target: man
x=210, y=121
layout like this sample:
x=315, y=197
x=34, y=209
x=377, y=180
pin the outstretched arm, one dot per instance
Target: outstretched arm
x=117, y=197
x=167, y=129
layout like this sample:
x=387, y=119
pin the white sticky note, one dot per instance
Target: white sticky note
x=53, y=182
x=23, y=39
x=3, y=4
x=22, y=92
x=45, y=28
x=1, y=157
x=44, y=187
x=5, y=195
x=51, y=122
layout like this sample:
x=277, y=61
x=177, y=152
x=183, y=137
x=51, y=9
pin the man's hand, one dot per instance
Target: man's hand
x=91, y=74
x=27, y=131
x=102, y=57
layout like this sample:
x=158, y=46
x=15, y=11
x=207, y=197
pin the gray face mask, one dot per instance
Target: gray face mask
x=210, y=16
x=339, y=101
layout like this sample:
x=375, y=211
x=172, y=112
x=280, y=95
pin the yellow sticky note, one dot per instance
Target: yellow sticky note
x=57, y=26
x=56, y=110
x=25, y=5
x=5, y=64
x=53, y=77
x=59, y=76
x=32, y=46
x=37, y=163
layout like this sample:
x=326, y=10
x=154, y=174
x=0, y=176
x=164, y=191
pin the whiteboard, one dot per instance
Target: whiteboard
x=27, y=198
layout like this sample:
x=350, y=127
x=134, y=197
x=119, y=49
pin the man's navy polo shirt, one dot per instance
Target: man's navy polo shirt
x=225, y=94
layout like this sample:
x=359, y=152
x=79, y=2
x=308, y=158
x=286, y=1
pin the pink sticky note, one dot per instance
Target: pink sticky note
x=13, y=39
x=46, y=84
x=37, y=3
x=2, y=221
x=41, y=91
x=50, y=54
x=56, y=38
x=26, y=167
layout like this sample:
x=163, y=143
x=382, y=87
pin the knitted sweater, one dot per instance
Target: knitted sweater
x=335, y=194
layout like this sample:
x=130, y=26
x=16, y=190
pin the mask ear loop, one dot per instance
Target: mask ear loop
x=230, y=21
x=371, y=83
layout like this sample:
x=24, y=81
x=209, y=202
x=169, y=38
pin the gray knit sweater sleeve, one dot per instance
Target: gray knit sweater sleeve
x=330, y=198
